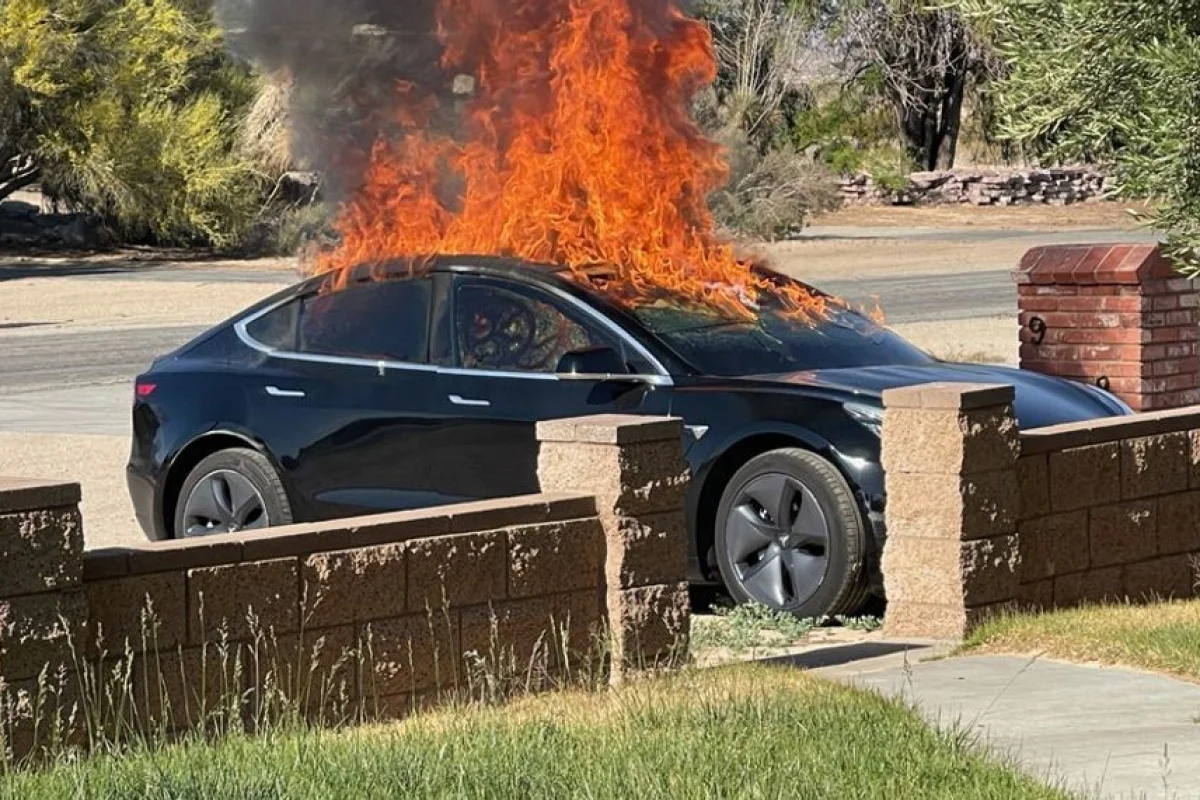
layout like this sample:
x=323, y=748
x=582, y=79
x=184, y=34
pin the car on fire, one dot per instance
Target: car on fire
x=414, y=388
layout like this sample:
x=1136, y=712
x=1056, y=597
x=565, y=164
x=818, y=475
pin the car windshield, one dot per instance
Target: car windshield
x=775, y=342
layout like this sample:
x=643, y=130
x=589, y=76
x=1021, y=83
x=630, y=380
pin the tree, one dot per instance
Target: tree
x=926, y=58
x=751, y=109
x=127, y=109
x=1112, y=81
x=759, y=45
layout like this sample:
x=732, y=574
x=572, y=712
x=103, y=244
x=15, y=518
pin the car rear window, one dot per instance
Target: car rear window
x=276, y=329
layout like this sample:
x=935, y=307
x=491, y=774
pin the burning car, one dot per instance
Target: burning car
x=417, y=384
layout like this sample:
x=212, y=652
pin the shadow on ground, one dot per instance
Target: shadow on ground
x=839, y=655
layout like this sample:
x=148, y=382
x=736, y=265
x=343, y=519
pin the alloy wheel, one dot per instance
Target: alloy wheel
x=778, y=541
x=224, y=501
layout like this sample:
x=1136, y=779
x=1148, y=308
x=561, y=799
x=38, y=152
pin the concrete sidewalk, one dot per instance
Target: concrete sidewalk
x=1102, y=732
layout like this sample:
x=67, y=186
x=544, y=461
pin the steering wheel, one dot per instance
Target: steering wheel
x=498, y=332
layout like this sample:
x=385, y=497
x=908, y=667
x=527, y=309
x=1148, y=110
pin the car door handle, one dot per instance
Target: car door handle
x=275, y=391
x=459, y=400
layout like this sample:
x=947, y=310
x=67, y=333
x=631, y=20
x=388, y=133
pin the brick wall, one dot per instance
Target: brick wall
x=983, y=517
x=357, y=618
x=1115, y=315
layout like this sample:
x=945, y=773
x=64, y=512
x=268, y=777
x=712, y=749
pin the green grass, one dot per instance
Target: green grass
x=747, y=731
x=1162, y=637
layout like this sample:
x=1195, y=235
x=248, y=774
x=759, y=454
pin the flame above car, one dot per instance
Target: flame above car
x=574, y=146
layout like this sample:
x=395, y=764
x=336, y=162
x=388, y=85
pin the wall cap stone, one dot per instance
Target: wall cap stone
x=1109, y=429
x=1094, y=264
x=319, y=537
x=610, y=429
x=948, y=396
x=20, y=494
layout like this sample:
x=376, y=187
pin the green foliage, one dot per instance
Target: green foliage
x=845, y=125
x=749, y=731
x=750, y=626
x=753, y=626
x=864, y=624
x=1113, y=81
x=130, y=109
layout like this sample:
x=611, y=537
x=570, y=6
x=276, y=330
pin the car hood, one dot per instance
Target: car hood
x=1041, y=400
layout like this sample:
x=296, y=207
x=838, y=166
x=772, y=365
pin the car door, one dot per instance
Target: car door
x=345, y=401
x=500, y=349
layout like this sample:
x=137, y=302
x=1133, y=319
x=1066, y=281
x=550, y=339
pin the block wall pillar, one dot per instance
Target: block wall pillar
x=951, y=557
x=43, y=610
x=635, y=468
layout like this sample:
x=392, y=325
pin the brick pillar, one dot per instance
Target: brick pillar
x=635, y=468
x=1115, y=315
x=951, y=558
x=43, y=611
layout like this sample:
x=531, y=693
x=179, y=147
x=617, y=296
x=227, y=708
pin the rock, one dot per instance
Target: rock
x=300, y=188
x=1057, y=186
x=15, y=209
x=80, y=233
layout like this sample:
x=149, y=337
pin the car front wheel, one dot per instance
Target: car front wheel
x=790, y=536
x=231, y=491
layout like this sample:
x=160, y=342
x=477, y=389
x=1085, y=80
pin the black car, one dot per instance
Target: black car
x=412, y=388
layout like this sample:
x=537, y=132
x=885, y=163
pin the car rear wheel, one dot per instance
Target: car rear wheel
x=231, y=491
x=790, y=536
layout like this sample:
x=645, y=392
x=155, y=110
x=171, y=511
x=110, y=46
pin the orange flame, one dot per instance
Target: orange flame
x=578, y=149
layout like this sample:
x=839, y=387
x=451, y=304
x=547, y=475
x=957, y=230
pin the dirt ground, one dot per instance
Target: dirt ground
x=97, y=462
x=41, y=304
x=1078, y=216
x=987, y=340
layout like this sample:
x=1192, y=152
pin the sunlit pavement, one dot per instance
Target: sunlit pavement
x=1103, y=732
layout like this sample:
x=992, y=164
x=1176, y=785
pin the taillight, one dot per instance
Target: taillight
x=145, y=389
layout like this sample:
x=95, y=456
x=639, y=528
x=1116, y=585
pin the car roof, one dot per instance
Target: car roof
x=399, y=268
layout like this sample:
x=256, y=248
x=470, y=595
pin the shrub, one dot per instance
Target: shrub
x=771, y=196
x=129, y=111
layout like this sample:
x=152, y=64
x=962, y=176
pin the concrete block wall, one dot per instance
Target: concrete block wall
x=1115, y=315
x=1107, y=510
x=375, y=615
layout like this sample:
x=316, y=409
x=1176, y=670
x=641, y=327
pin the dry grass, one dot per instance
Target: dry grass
x=1161, y=637
x=747, y=731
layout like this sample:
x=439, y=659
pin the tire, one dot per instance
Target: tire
x=230, y=482
x=777, y=565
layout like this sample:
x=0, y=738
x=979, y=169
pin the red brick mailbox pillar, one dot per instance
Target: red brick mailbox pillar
x=1118, y=316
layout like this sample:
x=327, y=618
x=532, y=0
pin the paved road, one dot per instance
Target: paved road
x=32, y=361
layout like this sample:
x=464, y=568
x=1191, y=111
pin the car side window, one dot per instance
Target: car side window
x=383, y=320
x=513, y=328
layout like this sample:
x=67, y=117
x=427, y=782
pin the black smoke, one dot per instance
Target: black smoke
x=346, y=61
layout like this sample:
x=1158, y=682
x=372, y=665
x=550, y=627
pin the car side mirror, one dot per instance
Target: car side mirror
x=592, y=361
